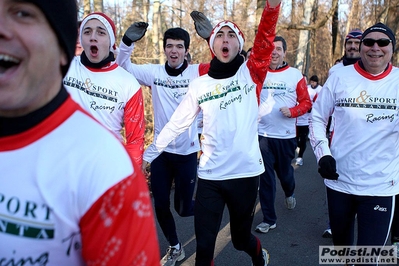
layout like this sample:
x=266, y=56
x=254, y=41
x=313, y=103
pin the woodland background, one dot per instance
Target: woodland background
x=314, y=29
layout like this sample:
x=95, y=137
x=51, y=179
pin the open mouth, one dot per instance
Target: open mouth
x=7, y=62
x=225, y=50
x=94, y=50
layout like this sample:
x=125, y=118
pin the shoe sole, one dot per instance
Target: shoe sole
x=267, y=260
x=180, y=258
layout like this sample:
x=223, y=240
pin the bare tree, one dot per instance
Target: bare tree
x=86, y=8
x=304, y=36
x=157, y=31
x=98, y=5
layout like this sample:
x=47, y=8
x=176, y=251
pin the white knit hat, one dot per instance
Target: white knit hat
x=231, y=25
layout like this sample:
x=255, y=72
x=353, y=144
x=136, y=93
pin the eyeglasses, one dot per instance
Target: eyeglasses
x=381, y=42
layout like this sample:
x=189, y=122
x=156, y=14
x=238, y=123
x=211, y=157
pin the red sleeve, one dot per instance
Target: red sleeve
x=119, y=228
x=135, y=127
x=203, y=68
x=303, y=99
x=315, y=97
x=259, y=60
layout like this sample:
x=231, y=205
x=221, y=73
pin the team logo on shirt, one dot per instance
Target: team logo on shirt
x=277, y=88
x=25, y=218
x=225, y=92
x=171, y=83
x=367, y=101
x=90, y=88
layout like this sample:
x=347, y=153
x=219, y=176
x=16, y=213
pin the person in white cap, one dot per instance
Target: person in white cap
x=231, y=162
x=104, y=89
x=70, y=194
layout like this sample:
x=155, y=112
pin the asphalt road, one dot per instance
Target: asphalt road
x=295, y=240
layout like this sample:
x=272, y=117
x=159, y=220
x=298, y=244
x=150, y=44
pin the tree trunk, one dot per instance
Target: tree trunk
x=98, y=5
x=304, y=35
x=86, y=8
x=334, y=33
x=353, y=21
x=157, y=33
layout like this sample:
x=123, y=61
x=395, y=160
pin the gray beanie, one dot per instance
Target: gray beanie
x=62, y=17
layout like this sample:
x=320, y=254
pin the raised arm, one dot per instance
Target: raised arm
x=135, y=32
x=259, y=60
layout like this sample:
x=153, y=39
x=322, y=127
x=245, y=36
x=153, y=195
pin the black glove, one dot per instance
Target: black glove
x=134, y=33
x=202, y=24
x=328, y=168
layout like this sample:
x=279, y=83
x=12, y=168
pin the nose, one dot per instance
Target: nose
x=5, y=29
x=93, y=35
x=375, y=46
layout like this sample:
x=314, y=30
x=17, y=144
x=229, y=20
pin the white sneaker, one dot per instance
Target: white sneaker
x=173, y=255
x=264, y=227
x=299, y=161
x=290, y=202
x=266, y=256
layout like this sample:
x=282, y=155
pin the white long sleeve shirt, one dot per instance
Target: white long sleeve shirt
x=365, y=143
x=229, y=143
x=167, y=93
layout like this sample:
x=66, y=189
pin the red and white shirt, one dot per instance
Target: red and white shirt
x=71, y=195
x=284, y=87
x=113, y=97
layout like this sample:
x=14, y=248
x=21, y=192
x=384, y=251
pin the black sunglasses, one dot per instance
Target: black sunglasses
x=381, y=42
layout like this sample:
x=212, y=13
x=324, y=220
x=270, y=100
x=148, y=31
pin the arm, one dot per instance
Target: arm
x=180, y=121
x=259, y=60
x=119, y=227
x=135, y=32
x=303, y=99
x=135, y=127
x=322, y=109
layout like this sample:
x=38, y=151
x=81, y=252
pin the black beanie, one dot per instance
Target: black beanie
x=314, y=78
x=62, y=17
x=380, y=27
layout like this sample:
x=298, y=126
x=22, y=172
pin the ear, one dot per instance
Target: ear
x=63, y=58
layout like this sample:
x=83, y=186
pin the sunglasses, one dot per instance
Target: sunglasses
x=381, y=42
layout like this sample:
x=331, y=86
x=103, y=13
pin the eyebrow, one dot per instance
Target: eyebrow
x=97, y=27
x=230, y=31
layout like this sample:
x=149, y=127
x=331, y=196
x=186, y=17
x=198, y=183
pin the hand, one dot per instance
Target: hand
x=285, y=111
x=144, y=169
x=327, y=167
x=135, y=32
x=203, y=26
x=274, y=3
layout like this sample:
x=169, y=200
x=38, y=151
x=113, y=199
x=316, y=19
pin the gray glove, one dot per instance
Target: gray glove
x=135, y=32
x=202, y=24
